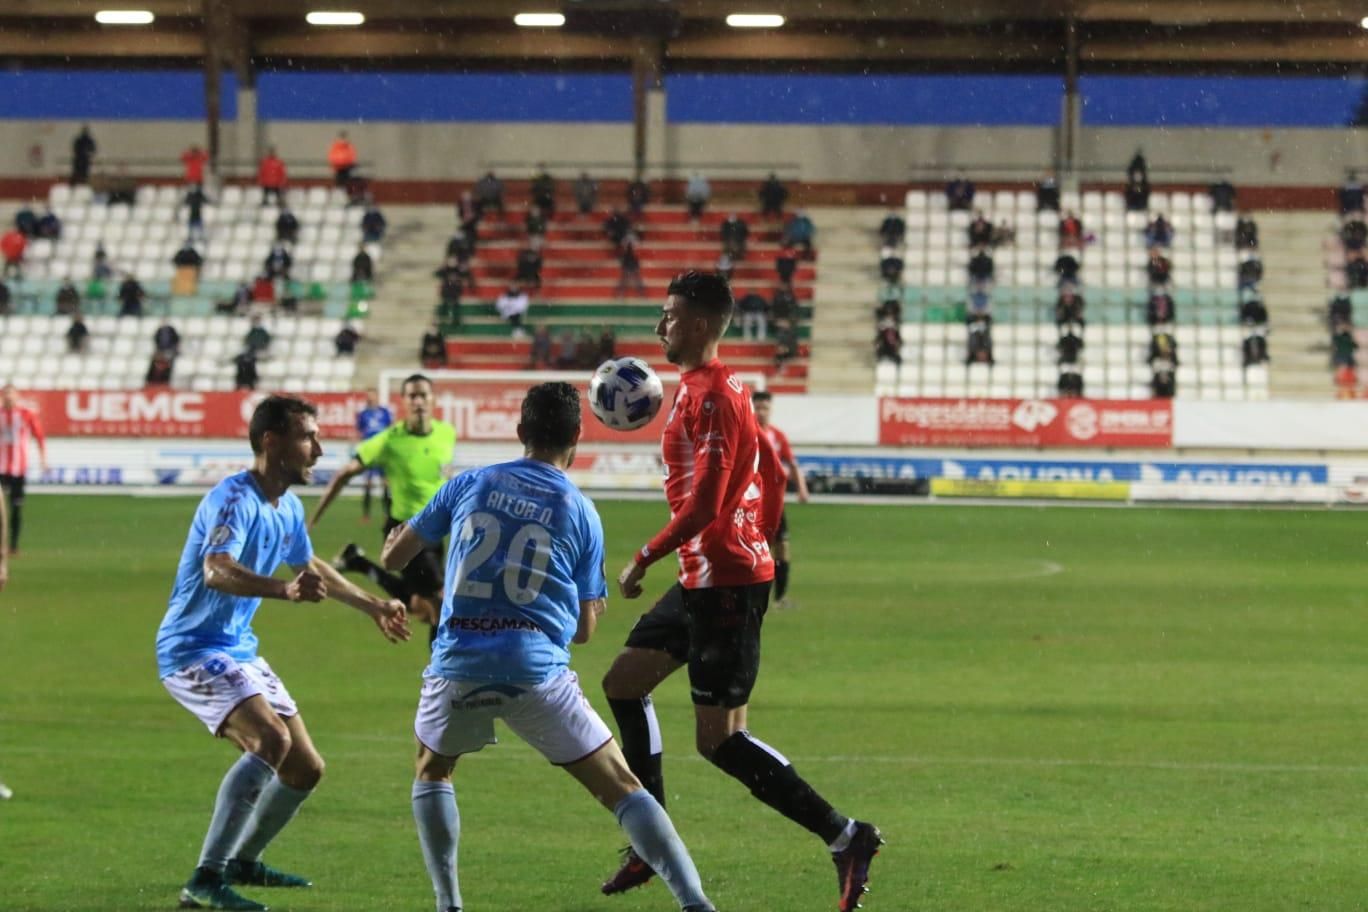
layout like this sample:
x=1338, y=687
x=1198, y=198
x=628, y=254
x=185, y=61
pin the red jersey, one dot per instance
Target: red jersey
x=17, y=426
x=723, y=483
x=194, y=161
x=271, y=172
x=779, y=440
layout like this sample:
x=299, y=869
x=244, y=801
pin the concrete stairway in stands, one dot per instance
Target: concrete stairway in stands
x=847, y=283
x=1296, y=295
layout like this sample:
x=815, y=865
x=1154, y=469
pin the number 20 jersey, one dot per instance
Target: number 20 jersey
x=526, y=548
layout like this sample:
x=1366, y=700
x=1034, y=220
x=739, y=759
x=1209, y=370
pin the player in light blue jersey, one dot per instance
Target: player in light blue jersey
x=525, y=579
x=244, y=529
x=370, y=421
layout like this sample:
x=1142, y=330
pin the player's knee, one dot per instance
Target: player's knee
x=311, y=771
x=616, y=684
x=271, y=743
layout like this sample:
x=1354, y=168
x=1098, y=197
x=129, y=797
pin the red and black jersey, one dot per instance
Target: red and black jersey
x=723, y=481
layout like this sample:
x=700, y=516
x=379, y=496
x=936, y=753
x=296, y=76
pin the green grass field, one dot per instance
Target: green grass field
x=1044, y=709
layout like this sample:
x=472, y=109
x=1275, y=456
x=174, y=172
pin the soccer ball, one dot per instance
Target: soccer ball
x=625, y=393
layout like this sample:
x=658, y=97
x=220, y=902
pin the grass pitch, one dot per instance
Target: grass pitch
x=1044, y=709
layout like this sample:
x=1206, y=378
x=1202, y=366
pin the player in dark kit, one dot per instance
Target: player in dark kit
x=724, y=484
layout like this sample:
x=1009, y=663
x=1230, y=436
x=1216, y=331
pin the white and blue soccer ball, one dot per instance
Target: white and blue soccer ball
x=625, y=393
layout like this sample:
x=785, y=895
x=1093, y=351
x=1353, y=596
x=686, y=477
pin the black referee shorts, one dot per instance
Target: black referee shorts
x=716, y=631
x=14, y=488
x=424, y=574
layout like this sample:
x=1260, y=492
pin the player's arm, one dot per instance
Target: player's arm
x=223, y=573
x=36, y=429
x=339, y=481
x=589, y=613
x=791, y=463
x=430, y=526
x=771, y=471
x=4, y=540
x=402, y=546
x=388, y=614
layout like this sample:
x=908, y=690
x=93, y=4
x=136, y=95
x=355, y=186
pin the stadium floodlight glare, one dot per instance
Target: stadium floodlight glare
x=124, y=17
x=1364, y=22
x=755, y=20
x=539, y=20
x=334, y=17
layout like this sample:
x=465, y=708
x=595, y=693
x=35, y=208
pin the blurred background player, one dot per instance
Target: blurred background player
x=18, y=425
x=370, y=421
x=243, y=530
x=527, y=549
x=415, y=458
x=763, y=402
x=724, y=486
x=5, y=792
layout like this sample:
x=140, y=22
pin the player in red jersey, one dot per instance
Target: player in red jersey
x=5, y=792
x=725, y=489
x=17, y=426
x=763, y=402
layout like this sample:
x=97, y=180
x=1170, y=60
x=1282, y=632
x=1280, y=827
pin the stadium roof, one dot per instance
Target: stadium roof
x=819, y=35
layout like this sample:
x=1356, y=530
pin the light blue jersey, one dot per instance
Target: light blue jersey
x=235, y=519
x=526, y=549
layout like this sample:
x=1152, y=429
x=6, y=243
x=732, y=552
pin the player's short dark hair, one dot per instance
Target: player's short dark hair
x=551, y=416
x=414, y=378
x=274, y=413
x=762, y=396
x=709, y=292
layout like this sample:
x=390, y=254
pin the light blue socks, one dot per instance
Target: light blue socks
x=439, y=829
x=656, y=842
x=238, y=796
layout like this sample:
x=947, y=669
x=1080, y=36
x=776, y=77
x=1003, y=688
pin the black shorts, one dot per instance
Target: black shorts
x=716, y=631
x=14, y=488
x=424, y=574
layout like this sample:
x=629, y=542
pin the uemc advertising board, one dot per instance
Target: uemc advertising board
x=1026, y=422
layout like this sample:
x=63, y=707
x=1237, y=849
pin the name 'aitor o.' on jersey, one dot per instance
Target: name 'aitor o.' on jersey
x=414, y=464
x=723, y=483
x=526, y=548
x=236, y=519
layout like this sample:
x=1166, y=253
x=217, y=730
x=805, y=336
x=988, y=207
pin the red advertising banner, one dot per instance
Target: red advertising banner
x=1026, y=422
x=489, y=410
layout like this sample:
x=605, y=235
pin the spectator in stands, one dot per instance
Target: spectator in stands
x=342, y=159
x=362, y=267
x=1343, y=345
x=258, y=338
x=195, y=201
x=166, y=339
x=1346, y=382
x=754, y=310
x=5, y=306
x=1138, y=169
x=697, y=192
x=1159, y=309
x=1354, y=233
x=566, y=352
x=373, y=224
x=459, y=247
x=263, y=290
x=786, y=264
x=585, y=349
x=1137, y=195
x=959, y=193
x=607, y=346
x=1004, y=235
x=159, y=369
x=586, y=193
x=278, y=262
x=638, y=196
x=1047, y=193
x=616, y=226
x=981, y=268
x=980, y=232
x=432, y=351
x=1246, y=233
x=1356, y=272
x=187, y=255
x=1070, y=383
x=82, y=154
x=979, y=343
x=734, y=232
x=12, y=247
x=1222, y=196
x=468, y=221
x=453, y=278
x=1159, y=232
x=100, y=270
x=1070, y=232
x=488, y=194
x=535, y=223
x=1070, y=307
x=49, y=226
x=527, y=270
x=1159, y=268
x=773, y=194
x=888, y=341
x=1068, y=347
x=131, y=297
x=345, y=340
x=785, y=343
x=26, y=221
x=77, y=334
x=1250, y=273
x=287, y=227
x=543, y=191
x=271, y=177
x=1351, y=195
x=1066, y=267
x=890, y=307
x=979, y=305
x=893, y=230
x=1163, y=362
x=1254, y=348
x=512, y=305
x=629, y=265
x=1253, y=312
x=193, y=161
x=725, y=265
x=539, y=355
x=783, y=304
x=245, y=374
x=68, y=299
x=1341, y=308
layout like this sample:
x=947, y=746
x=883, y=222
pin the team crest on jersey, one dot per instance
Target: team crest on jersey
x=220, y=536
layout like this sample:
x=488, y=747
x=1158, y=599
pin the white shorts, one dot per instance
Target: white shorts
x=214, y=686
x=457, y=717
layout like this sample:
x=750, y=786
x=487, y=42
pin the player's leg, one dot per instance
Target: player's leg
x=351, y=559
x=439, y=824
x=366, y=496
x=14, y=493
x=299, y=773
x=724, y=661
x=781, y=564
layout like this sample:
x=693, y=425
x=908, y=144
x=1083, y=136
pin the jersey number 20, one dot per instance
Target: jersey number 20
x=517, y=592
